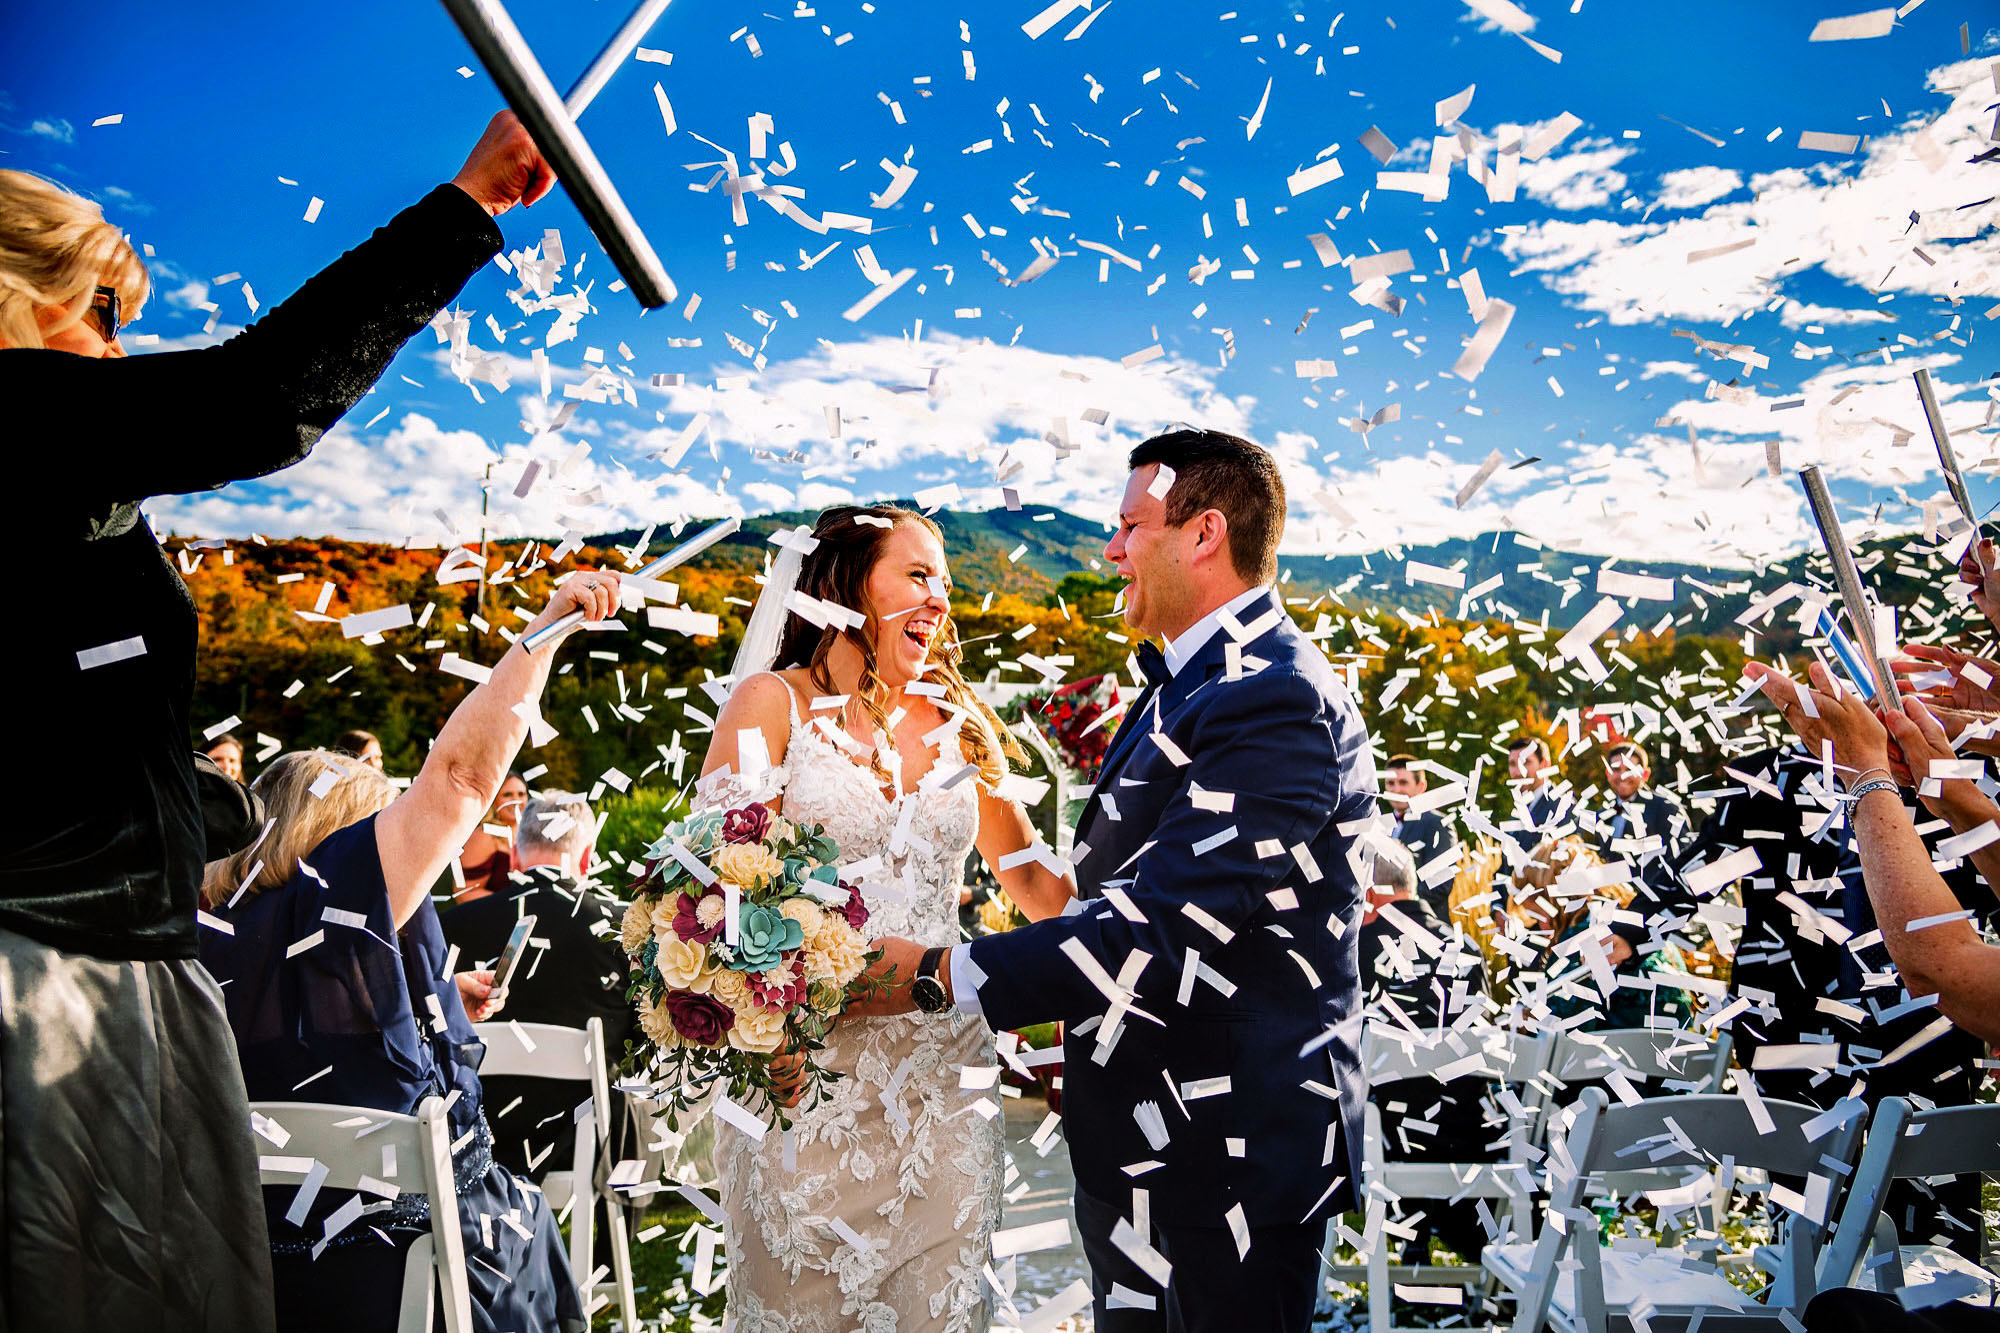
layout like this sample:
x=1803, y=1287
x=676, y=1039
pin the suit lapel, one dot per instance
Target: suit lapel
x=1122, y=742
x=1207, y=663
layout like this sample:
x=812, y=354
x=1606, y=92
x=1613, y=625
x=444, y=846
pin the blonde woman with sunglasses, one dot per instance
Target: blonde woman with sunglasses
x=126, y=1162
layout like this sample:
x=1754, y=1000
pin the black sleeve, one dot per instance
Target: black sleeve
x=174, y=422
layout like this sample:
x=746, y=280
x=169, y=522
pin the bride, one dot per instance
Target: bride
x=875, y=1212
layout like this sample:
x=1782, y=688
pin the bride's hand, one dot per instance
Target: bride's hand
x=788, y=1077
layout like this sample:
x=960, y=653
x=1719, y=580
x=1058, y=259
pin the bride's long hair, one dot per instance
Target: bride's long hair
x=837, y=571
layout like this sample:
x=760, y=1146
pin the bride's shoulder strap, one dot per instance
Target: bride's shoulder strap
x=791, y=695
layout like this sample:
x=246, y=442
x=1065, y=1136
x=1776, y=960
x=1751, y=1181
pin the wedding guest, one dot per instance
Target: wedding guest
x=130, y=1177
x=362, y=745
x=1645, y=827
x=1427, y=834
x=1562, y=918
x=1801, y=984
x=1541, y=807
x=1921, y=919
x=227, y=752
x=335, y=975
x=487, y=856
x=574, y=972
x=1410, y=984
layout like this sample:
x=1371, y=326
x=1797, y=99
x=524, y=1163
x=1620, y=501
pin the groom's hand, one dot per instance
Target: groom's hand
x=894, y=970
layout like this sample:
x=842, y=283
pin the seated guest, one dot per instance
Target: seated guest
x=574, y=970
x=1427, y=835
x=333, y=969
x=227, y=753
x=362, y=745
x=488, y=853
x=1415, y=988
x=1559, y=922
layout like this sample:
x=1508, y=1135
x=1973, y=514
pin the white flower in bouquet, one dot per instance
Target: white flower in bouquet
x=747, y=865
x=636, y=928
x=658, y=1026
x=684, y=964
x=758, y=1030
x=835, y=952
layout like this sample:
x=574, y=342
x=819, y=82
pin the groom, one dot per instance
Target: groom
x=1212, y=1088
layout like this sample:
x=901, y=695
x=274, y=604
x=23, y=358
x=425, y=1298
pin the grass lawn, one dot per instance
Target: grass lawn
x=662, y=1277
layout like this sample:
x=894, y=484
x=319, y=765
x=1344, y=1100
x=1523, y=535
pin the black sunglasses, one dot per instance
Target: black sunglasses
x=103, y=314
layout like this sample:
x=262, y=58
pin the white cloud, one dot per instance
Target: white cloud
x=392, y=488
x=1850, y=221
x=912, y=415
x=1585, y=178
x=1686, y=370
x=1796, y=315
x=53, y=127
x=1695, y=186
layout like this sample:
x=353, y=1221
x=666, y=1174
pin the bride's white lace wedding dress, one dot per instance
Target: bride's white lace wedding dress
x=897, y=1152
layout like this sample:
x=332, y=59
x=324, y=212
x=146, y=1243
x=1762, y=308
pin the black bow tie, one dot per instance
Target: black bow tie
x=1154, y=663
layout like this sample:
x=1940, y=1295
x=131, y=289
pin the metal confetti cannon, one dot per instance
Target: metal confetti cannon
x=680, y=555
x=551, y=121
x=1954, y=479
x=1860, y=609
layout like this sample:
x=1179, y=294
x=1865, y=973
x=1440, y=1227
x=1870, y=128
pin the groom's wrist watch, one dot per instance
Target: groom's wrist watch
x=927, y=992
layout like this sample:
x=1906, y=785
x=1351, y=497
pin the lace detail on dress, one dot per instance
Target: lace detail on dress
x=896, y=1151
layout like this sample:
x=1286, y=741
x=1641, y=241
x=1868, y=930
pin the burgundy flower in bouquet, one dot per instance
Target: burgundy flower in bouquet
x=699, y=1018
x=748, y=824
x=696, y=925
x=780, y=988
x=853, y=910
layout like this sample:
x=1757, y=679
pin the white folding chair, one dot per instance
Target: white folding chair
x=363, y=1149
x=543, y=1050
x=1390, y=1055
x=1903, y=1144
x=1682, y=1059
x=1567, y=1281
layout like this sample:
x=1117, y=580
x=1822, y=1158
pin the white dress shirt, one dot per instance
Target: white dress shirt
x=1179, y=651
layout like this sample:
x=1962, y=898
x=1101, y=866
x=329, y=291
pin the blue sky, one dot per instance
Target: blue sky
x=1657, y=390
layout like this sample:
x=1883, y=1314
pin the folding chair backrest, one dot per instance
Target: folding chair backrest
x=1902, y=1144
x=1675, y=1054
x=1713, y=1126
x=575, y=1055
x=356, y=1144
x=1388, y=1056
x=1665, y=1134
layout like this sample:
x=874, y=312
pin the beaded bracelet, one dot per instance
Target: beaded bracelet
x=1858, y=777
x=1855, y=793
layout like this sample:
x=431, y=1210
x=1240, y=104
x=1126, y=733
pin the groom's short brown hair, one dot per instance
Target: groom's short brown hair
x=1228, y=474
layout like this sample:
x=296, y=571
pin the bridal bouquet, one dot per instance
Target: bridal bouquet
x=743, y=942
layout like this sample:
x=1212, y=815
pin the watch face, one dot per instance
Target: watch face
x=928, y=995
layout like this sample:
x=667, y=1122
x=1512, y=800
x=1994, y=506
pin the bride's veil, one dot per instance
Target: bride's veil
x=766, y=627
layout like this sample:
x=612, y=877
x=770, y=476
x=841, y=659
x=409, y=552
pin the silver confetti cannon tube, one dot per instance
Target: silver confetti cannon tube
x=1954, y=479
x=1860, y=610
x=505, y=54
x=680, y=555
x=585, y=90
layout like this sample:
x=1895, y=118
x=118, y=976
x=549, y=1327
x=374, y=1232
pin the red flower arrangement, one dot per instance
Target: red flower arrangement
x=1068, y=715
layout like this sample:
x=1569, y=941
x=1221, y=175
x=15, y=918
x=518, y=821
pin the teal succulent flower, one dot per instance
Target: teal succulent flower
x=763, y=934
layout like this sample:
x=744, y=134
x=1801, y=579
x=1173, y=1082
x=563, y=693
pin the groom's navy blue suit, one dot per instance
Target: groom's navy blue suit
x=1216, y=827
